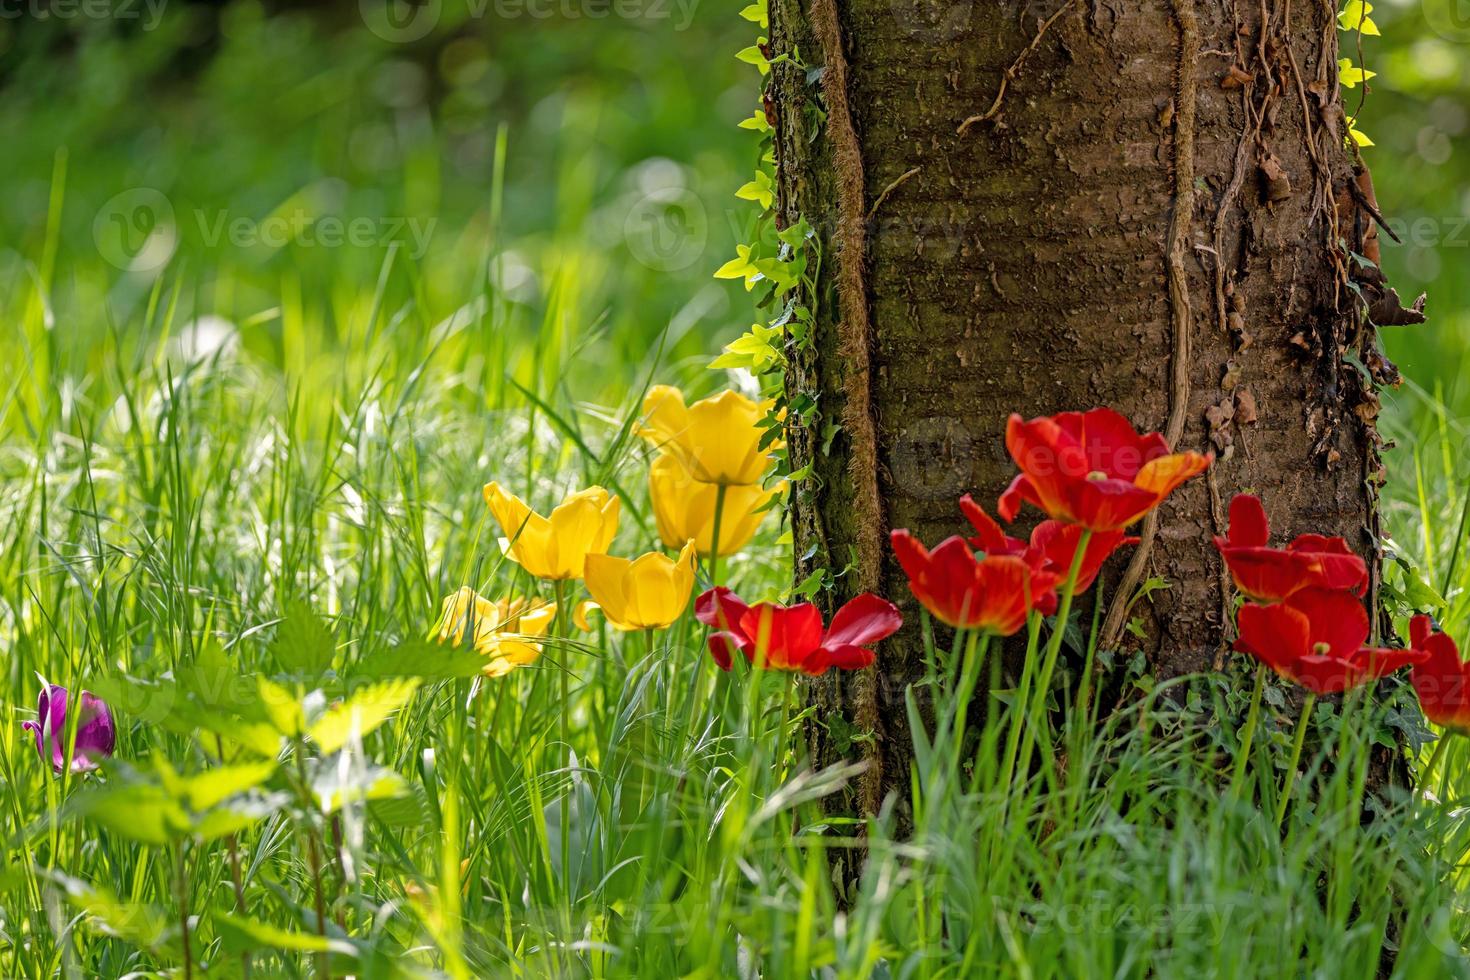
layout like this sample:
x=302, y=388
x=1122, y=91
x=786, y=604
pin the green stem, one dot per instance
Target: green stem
x=714, y=542
x=558, y=632
x=1289, y=782
x=969, y=676
x=1248, y=733
x=1434, y=759
x=1036, y=715
x=1019, y=700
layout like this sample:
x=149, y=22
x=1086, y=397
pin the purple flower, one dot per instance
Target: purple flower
x=96, y=735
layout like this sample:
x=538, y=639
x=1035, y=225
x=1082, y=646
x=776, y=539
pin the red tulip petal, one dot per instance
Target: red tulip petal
x=1049, y=458
x=722, y=647
x=1113, y=446
x=1337, y=619
x=1421, y=628
x=1276, y=635
x=989, y=537
x=1109, y=505
x=863, y=621
x=843, y=658
x=782, y=637
x=1269, y=574
x=1249, y=527
x=720, y=608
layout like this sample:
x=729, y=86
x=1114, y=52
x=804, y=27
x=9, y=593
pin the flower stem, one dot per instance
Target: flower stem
x=714, y=542
x=559, y=631
x=1248, y=733
x=183, y=899
x=969, y=675
x=1021, y=698
x=314, y=858
x=1053, y=651
x=1289, y=782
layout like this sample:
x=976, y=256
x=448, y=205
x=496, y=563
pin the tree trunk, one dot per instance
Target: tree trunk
x=1053, y=206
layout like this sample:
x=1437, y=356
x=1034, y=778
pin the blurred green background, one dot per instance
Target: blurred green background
x=211, y=151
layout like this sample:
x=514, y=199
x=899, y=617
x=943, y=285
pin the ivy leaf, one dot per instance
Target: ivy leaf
x=752, y=351
x=757, y=13
x=1354, y=17
x=753, y=56
x=757, y=122
x=1357, y=135
x=762, y=190
x=1350, y=76
x=740, y=267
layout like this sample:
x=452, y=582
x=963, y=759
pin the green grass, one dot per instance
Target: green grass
x=214, y=521
x=294, y=505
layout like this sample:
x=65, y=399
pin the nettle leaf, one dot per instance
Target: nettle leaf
x=214, y=786
x=304, y=643
x=360, y=714
x=138, y=811
x=336, y=786
x=282, y=708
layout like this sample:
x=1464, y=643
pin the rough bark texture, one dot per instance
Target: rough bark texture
x=1052, y=206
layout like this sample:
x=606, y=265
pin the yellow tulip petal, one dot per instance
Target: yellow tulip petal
x=653, y=600
x=665, y=417
x=581, y=611
x=606, y=581
x=725, y=435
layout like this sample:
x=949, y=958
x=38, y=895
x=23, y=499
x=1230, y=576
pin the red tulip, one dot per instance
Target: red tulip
x=1315, y=638
x=1443, y=679
x=1092, y=468
x=995, y=593
x=1054, y=541
x=780, y=637
x=1272, y=574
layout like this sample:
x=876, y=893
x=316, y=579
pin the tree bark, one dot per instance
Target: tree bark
x=1051, y=206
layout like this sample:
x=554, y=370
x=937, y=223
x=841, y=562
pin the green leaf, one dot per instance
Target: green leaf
x=241, y=934
x=421, y=658
x=304, y=644
x=139, y=812
x=334, y=789
x=282, y=708
x=761, y=190
x=214, y=786
x=757, y=13
x=361, y=713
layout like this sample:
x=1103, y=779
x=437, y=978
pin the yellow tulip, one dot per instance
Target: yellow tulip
x=684, y=509
x=649, y=592
x=503, y=630
x=555, y=547
x=718, y=438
